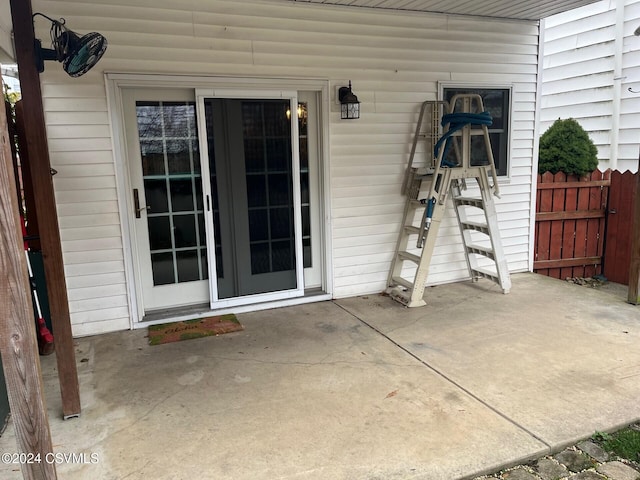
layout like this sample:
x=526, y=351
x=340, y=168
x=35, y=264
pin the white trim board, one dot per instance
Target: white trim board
x=321, y=297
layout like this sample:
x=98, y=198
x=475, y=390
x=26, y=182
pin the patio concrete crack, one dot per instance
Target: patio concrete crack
x=129, y=475
x=448, y=379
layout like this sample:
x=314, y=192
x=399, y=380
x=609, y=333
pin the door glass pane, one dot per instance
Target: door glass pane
x=249, y=143
x=260, y=261
x=211, y=145
x=184, y=231
x=179, y=156
x=172, y=190
x=254, y=154
x=182, y=194
x=155, y=192
x=278, y=154
x=188, y=265
x=304, y=183
x=279, y=189
x=281, y=223
x=259, y=221
x=152, y=157
x=159, y=232
x=273, y=212
x=162, y=265
x=282, y=258
x=256, y=190
x=179, y=120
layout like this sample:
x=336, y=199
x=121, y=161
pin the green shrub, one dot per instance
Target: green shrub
x=566, y=147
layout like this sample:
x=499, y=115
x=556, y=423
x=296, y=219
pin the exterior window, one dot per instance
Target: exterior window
x=497, y=102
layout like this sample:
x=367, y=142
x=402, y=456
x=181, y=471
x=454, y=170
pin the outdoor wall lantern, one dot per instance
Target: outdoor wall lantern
x=349, y=104
x=77, y=54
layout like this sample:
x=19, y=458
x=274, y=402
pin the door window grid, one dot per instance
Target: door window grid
x=267, y=145
x=303, y=136
x=176, y=227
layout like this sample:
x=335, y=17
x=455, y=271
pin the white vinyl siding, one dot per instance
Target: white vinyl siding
x=6, y=38
x=80, y=149
x=394, y=61
x=590, y=61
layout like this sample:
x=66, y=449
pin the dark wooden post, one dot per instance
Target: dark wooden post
x=18, y=345
x=27, y=185
x=45, y=204
x=634, y=268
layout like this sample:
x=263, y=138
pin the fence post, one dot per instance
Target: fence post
x=634, y=268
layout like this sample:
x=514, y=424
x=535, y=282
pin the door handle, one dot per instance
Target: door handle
x=136, y=203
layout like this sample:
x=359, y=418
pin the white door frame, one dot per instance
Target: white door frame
x=313, y=275
x=237, y=85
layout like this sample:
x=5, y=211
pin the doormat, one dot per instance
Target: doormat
x=198, y=328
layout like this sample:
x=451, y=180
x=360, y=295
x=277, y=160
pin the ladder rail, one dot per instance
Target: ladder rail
x=457, y=192
x=495, y=187
x=410, y=168
x=402, y=242
x=434, y=109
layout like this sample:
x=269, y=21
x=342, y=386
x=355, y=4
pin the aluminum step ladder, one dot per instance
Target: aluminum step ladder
x=429, y=184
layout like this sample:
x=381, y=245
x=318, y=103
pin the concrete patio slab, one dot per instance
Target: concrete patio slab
x=360, y=388
x=558, y=359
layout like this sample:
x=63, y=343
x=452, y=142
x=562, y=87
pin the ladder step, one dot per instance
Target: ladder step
x=411, y=230
x=471, y=201
x=399, y=296
x=403, y=282
x=477, y=226
x=480, y=250
x=409, y=256
x=404, y=297
x=485, y=273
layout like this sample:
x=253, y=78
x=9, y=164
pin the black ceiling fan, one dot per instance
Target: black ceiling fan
x=78, y=54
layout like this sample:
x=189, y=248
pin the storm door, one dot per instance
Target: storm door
x=252, y=189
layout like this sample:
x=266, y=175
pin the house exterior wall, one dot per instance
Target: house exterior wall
x=7, y=55
x=395, y=62
x=591, y=59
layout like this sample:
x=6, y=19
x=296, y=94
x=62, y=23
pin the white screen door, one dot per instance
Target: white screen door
x=252, y=186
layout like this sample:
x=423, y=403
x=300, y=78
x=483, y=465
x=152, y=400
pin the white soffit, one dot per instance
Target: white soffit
x=506, y=9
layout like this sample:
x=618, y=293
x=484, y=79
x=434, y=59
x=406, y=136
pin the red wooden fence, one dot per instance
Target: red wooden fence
x=570, y=224
x=619, y=227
